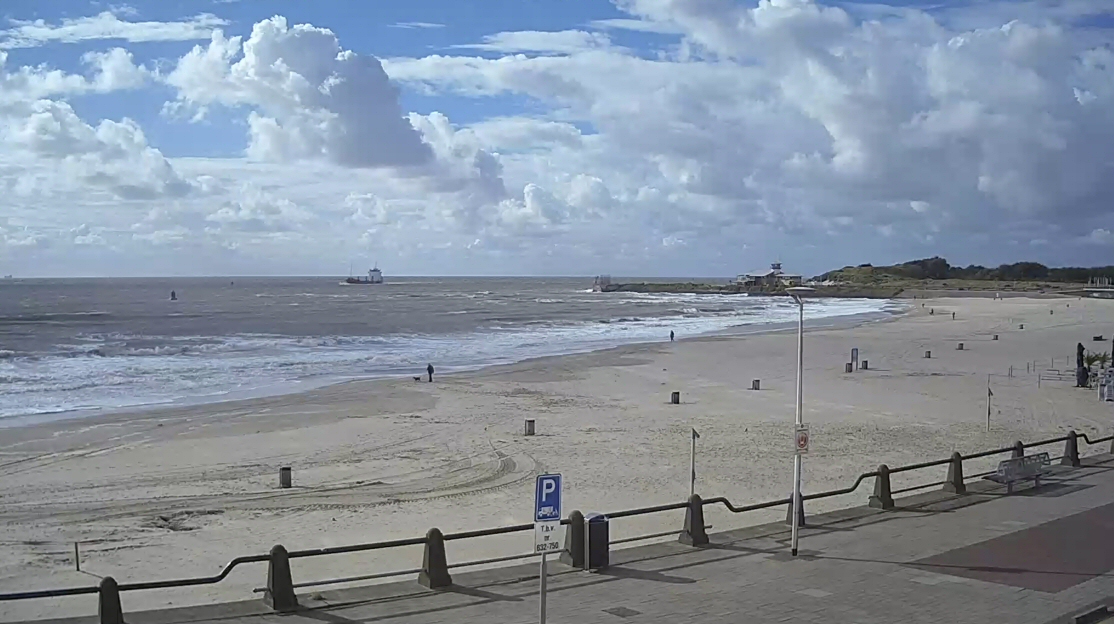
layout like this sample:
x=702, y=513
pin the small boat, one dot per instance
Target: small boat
x=374, y=276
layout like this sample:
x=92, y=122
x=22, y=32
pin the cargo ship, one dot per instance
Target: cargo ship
x=374, y=276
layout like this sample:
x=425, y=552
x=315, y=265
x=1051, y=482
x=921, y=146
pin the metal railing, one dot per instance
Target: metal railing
x=424, y=541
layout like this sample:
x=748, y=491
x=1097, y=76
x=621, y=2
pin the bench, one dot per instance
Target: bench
x=1018, y=469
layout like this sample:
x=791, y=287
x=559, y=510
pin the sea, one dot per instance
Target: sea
x=72, y=347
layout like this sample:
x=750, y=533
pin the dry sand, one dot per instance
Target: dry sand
x=178, y=492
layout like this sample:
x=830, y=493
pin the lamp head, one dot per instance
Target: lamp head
x=797, y=292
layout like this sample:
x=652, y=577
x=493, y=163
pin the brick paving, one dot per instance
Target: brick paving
x=936, y=558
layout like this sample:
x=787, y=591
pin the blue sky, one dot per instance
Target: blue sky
x=672, y=137
x=382, y=29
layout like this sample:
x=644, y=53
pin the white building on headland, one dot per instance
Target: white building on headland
x=772, y=276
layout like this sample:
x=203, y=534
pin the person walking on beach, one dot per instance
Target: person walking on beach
x=429, y=369
x=671, y=335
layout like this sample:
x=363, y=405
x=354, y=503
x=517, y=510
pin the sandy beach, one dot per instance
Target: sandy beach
x=178, y=492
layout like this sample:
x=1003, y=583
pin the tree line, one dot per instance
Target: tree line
x=938, y=269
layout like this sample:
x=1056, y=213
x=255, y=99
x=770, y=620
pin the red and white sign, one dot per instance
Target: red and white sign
x=801, y=439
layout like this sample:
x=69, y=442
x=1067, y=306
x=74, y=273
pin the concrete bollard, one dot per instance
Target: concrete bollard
x=955, y=483
x=694, y=533
x=279, y=594
x=755, y=384
x=1071, y=451
x=529, y=427
x=108, y=602
x=865, y=365
x=800, y=515
x=927, y=355
x=573, y=555
x=435, y=567
x=285, y=478
x=847, y=367
x=1018, y=449
x=675, y=398
x=882, y=497
x=959, y=347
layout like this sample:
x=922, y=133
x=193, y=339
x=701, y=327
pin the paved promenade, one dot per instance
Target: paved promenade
x=1038, y=556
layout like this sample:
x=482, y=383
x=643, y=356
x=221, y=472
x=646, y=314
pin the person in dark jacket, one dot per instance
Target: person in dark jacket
x=429, y=369
x=670, y=335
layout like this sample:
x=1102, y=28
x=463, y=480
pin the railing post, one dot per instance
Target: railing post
x=280, y=587
x=800, y=514
x=435, y=567
x=882, y=498
x=108, y=602
x=1018, y=449
x=694, y=533
x=1071, y=451
x=573, y=555
x=955, y=483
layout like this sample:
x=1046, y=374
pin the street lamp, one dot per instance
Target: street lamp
x=797, y=293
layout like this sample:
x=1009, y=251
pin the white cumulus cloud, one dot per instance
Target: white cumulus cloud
x=106, y=25
x=309, y=96
x=823, y=133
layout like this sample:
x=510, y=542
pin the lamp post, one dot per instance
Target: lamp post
x=797, y=293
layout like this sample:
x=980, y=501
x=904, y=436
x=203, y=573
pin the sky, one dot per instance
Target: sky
x=547, y=137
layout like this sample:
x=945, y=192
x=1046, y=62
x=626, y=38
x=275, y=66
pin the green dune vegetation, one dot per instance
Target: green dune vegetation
x=926, y=275
x=936, y=274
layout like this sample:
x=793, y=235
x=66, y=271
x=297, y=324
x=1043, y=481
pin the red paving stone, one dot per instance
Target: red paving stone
x=1049, y=557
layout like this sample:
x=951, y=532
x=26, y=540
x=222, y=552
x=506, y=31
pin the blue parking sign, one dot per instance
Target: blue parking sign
x=547, y=498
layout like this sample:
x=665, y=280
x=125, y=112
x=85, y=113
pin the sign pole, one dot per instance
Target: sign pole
x=541, y=602
x=988, y=395
x=692, y=464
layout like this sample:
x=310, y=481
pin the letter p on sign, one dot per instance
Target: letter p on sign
x=547, y=498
